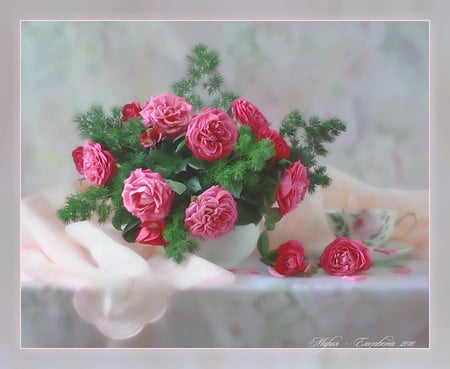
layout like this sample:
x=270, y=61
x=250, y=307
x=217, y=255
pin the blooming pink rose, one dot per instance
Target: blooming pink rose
x=169, y=113
x=130, y=111
x=292, y=187
x=247, y=113
x=290, y=258
x=146, y=195
x=212, y=214
x=282, y=150
x=211, y=135
x=77, y=156
x=99, y=166
x=151, y=233
x=344, y=256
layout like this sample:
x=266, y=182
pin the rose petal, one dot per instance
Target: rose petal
x=354, y=278
x=274, y=273
x=402, y=270
x=250, y=271
x=386, y=251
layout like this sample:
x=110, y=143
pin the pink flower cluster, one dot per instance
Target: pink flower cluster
x=147, y=196
x=294, y=183
x=210, y=135
x=95, y=163
x=342, y=257
x=247, y=113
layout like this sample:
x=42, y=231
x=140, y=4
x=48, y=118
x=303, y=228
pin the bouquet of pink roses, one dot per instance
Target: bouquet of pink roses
x=179, y=168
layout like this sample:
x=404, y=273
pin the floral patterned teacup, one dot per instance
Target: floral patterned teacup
x=374, y=227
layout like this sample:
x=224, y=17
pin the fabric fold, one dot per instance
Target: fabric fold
x=115, y=287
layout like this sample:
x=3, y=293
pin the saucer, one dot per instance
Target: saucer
x=390, y=251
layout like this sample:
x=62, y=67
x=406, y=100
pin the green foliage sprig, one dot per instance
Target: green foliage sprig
x=83, y=206
x=203, y=80
x=307, y=140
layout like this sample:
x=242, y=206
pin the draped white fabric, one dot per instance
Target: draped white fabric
x=113, y=286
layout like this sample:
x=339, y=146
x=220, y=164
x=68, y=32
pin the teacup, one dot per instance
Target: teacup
x=373, y=227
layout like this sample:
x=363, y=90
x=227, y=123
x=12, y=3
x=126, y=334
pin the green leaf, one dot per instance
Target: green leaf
x=161, y=162
x=285, y=162
x=130, y=230
x=116, y=222
x=269, y=226
x=269, y=191
x=193, y=184
x=177, y=187
x=263, y=244
x=195, y=163
x=161, y=169
x=234, y=187
x=273, y=216
x=272, y=256
x=180, y=146
x=248, y=213
x=180, y=166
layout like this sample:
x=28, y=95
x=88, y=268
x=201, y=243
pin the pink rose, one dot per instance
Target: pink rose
x=77, y=156
x=292, y=187
x=146, y=195
x=130, y=111
x=151, y=233
x=212, y=214
x=169, y=113
x=282, y=150
x=99, y=166
x=211, y=135
x=290, y=258
x=344, y=256
x=247, y=113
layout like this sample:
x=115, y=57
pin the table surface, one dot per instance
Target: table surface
x=388, y=307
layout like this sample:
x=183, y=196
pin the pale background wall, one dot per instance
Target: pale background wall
x=373, y=75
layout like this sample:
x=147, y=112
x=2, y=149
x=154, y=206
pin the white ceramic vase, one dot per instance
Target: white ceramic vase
x=230, y=249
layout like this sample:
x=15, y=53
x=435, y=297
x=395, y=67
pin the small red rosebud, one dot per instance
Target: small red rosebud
x=77, y=156
x=247, y=113
x=130, y=111
x=290, y=258
x=150, y=136
x=282, y=150
x=151, y=233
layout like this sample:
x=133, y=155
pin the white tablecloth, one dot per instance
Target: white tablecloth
x=387, y=309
